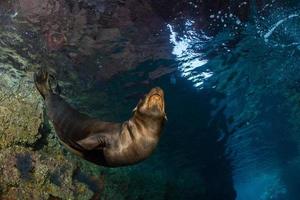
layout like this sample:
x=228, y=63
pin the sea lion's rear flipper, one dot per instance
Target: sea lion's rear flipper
x=95, y=141
x=41, y=80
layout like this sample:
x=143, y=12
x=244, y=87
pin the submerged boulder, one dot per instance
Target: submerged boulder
x=32, y=163
x=99, y=38
x=21, y=109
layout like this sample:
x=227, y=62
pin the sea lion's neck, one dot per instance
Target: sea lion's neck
x=152, y=125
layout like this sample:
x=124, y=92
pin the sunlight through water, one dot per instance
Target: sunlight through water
x=189, y=60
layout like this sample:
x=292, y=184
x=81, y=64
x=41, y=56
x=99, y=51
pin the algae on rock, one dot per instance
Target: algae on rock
x=32, y=163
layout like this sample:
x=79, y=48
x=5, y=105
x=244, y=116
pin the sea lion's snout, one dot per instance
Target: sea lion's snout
x=156, y=99
x=153, y=103
x=156, y=91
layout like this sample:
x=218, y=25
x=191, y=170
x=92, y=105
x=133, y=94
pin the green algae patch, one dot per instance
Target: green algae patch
x=20, y=116
x=33, y=164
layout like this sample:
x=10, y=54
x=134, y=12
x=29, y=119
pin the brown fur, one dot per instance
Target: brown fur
x=106, y=143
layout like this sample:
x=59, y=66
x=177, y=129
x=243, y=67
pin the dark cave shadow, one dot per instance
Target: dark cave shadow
x=193, y=141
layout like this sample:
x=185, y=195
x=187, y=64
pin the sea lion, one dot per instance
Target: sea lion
x=105, y=143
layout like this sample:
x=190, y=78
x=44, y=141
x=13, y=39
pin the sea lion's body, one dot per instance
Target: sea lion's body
x=106, y=143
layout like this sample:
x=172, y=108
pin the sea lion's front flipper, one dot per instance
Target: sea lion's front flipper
x=95, y=141
x=41, y=80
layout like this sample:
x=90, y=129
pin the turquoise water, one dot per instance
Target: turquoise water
x=231, y=86
x=254, y=66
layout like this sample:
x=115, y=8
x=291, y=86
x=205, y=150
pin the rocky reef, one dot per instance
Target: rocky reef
x=33, y=164
x=98, y=38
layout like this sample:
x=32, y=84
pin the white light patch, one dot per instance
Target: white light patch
x=270, y=32
x=190, y=61
x=14, y=15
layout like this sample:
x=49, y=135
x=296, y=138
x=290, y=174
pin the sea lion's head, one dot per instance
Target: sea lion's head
x=153, y=104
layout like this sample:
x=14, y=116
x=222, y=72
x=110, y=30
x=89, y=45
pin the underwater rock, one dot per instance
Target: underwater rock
x=30, y=175
x=161, y=71
x=21, y=111
x=25, y=168
x=32, y=163
x=117, y=34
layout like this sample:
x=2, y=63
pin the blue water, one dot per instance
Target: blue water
x=233, y=103
x=255, y=66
